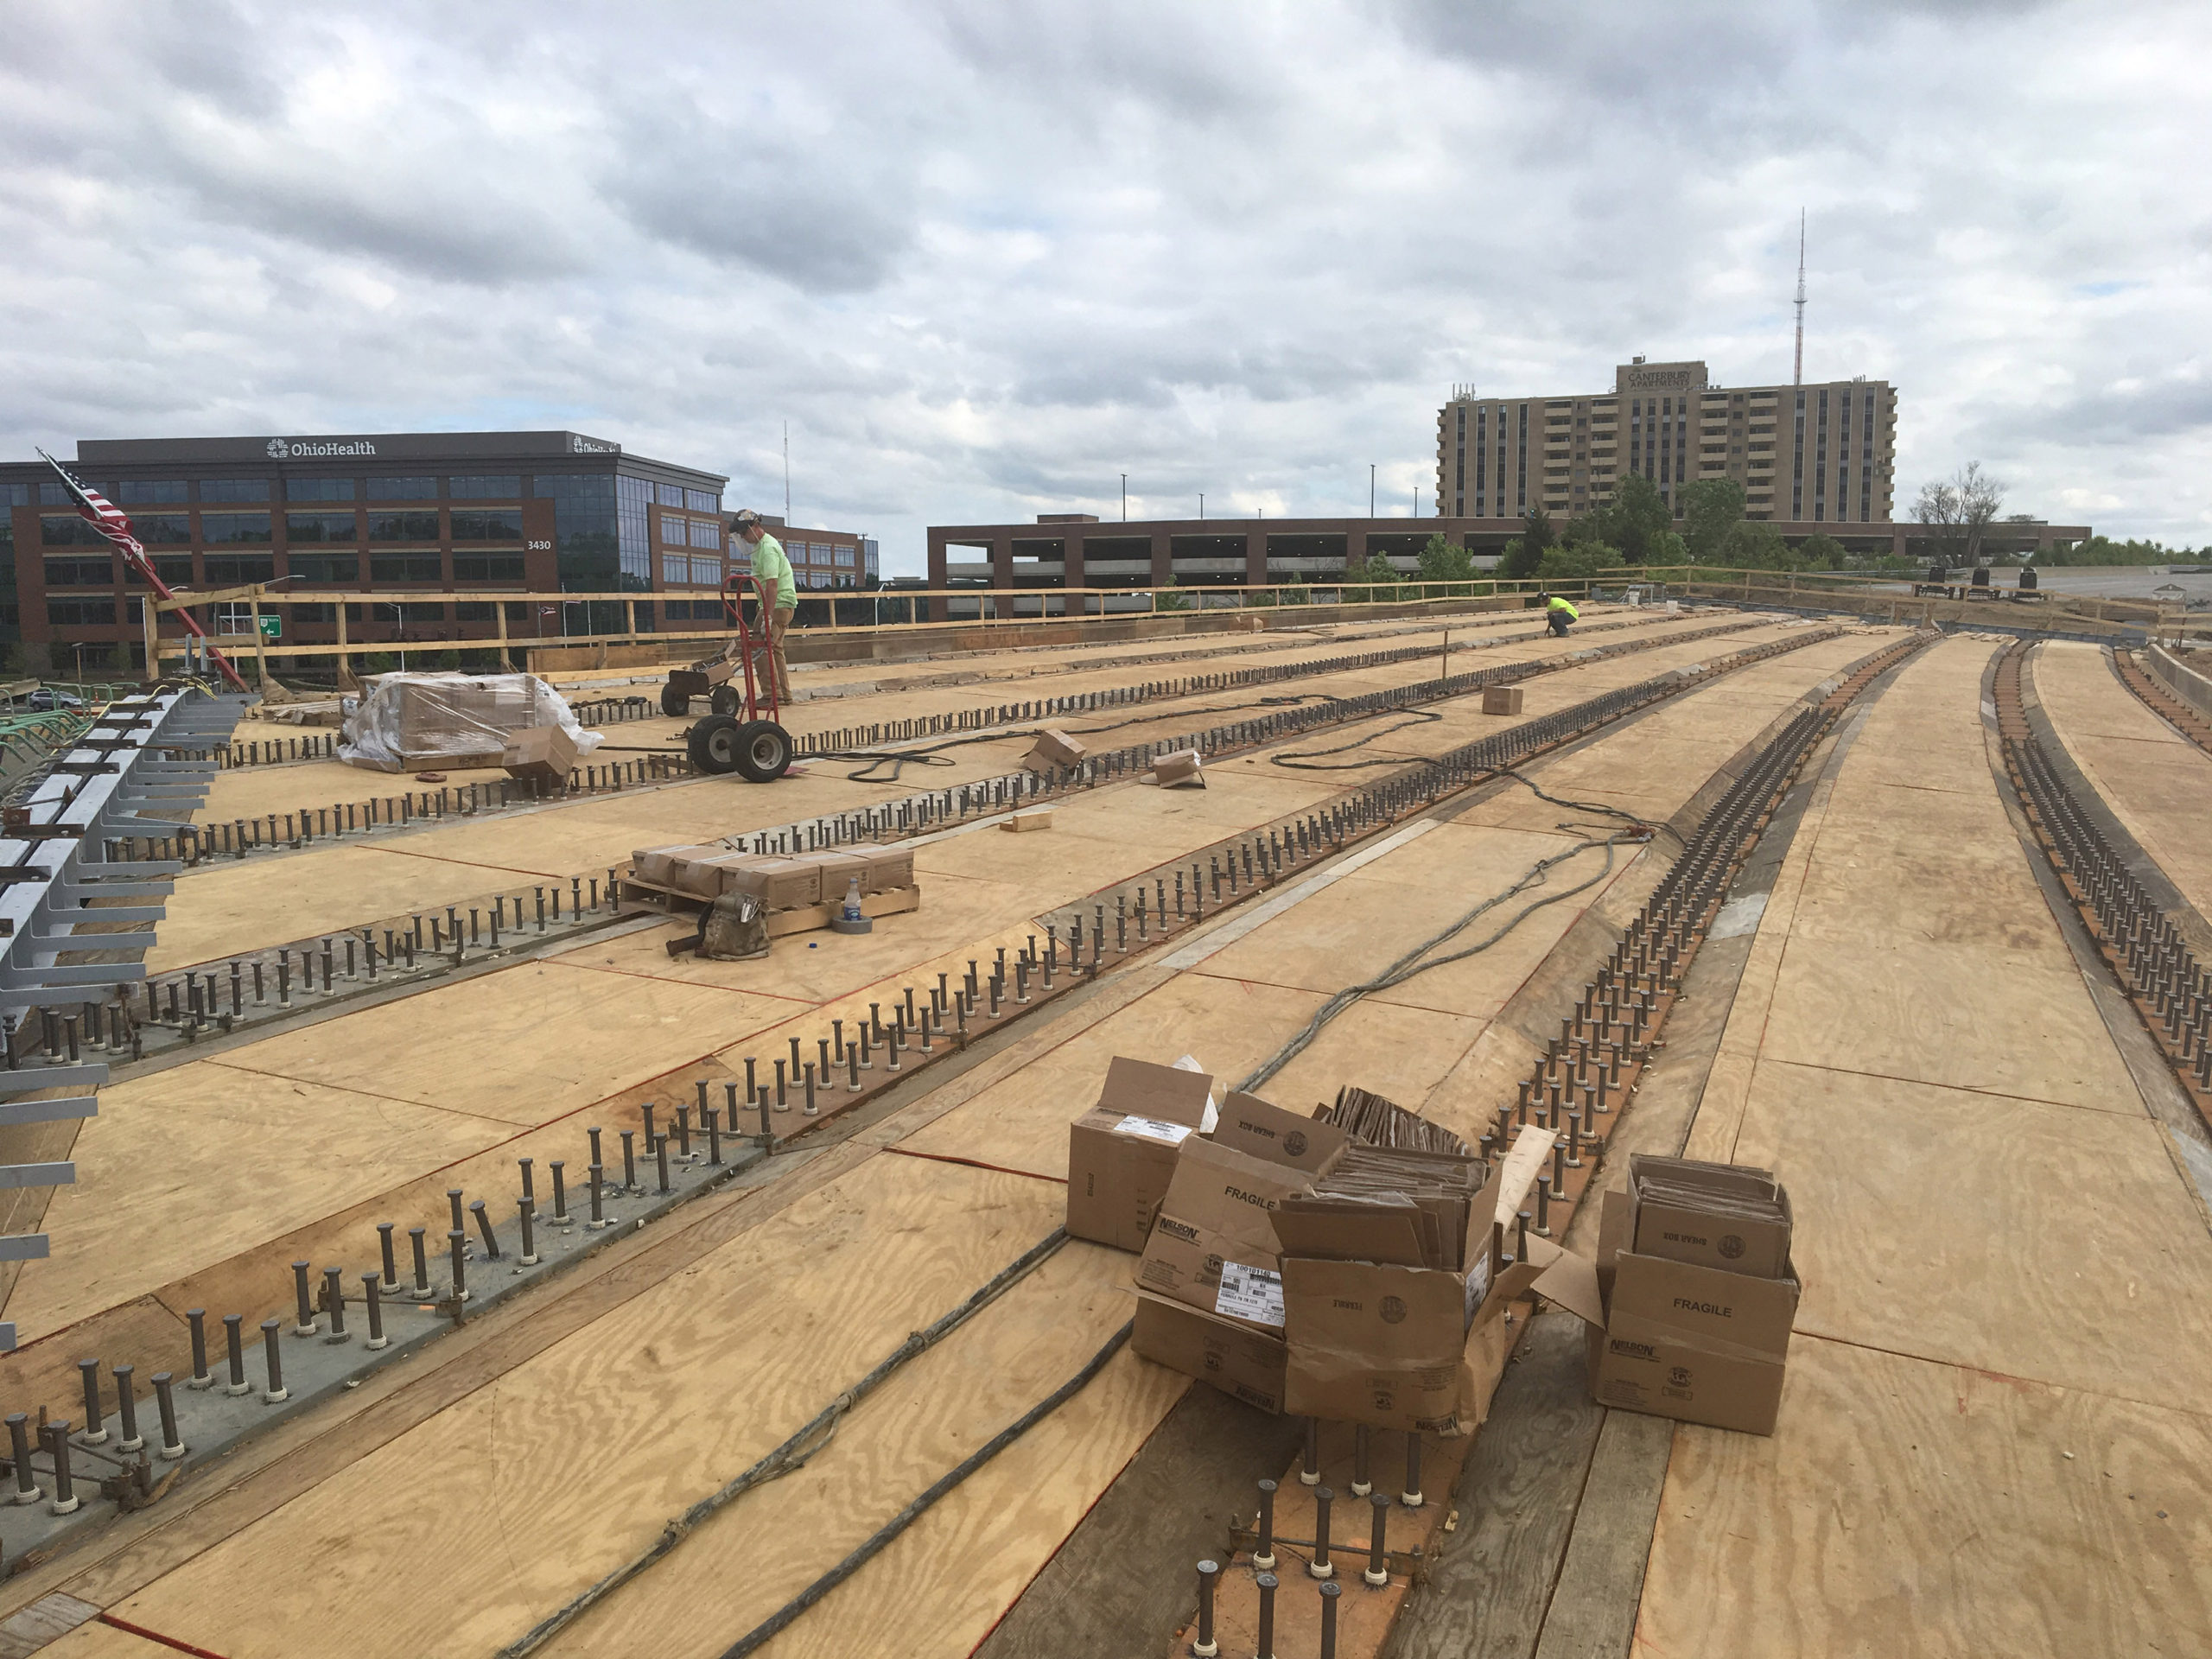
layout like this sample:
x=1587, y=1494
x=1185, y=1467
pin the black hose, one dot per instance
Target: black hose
x=881, y=1538
x=792, y=1453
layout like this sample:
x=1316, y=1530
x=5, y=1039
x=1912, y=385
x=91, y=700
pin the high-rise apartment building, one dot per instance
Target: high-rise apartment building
x=1822, y=454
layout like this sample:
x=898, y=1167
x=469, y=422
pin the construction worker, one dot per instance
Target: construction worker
x=1558, y=613
x=773, y=571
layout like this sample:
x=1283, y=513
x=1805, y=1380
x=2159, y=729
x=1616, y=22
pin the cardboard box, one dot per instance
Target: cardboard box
x=1502, y=699
x=839, y=869
x=778, y=883
x=1731, y=1220
x=1392, y=1342
x=1696, y=1344
x=1052, y=748
x=1181, y=770
x=540, y=754
x=1260, y=1129
x=1213, y=1245
x=680, y=867
x=890, y=868
x=1032, y=817
x=1122, y=1152
x=1244, y=1362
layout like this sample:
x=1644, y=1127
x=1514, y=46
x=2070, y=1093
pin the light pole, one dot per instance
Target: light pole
x=1125, y=498
x=1202, y=506
x=1370, y=489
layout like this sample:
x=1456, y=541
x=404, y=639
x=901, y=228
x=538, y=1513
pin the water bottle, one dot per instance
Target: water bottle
x=853, y=900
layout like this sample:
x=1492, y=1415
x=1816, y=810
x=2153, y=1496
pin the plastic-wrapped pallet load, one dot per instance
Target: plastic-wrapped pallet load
x=413, y=723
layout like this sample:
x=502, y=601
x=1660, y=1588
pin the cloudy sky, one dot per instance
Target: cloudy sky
x=984, y=257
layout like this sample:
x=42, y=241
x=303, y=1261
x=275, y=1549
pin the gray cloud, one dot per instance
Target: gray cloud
x=983, y=257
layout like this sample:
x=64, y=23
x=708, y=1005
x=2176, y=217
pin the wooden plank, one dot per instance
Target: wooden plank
x=97, y=1641
x=1982, y=1514
x=2156, y=782
x=1486, y=1595
x=2034, y=1240
x=577, y=1034
x=1601, y=1578
x=656, y=1390
x=1124, y=1580
x=244, y=1157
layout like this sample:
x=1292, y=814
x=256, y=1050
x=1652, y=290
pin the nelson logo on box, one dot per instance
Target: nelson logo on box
x=1295, y=1143
x=1731, y=1246
x=1393, y=1311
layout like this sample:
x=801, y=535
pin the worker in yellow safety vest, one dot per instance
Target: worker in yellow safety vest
x=1558, y=613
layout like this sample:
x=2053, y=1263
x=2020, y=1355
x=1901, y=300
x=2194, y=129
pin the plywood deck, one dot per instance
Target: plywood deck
x=2002, y=1264
x=1992, y=1437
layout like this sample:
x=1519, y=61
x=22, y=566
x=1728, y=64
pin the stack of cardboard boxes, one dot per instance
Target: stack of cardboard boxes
x=706, y=873
x=1693, y=1297
x=1298, y=1268
x=1293, y=1266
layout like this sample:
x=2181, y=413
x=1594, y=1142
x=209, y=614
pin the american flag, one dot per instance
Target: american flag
x=104, y=517
x=112, y=522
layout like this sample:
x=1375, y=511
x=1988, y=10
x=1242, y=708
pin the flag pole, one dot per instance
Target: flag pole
x=112, y=522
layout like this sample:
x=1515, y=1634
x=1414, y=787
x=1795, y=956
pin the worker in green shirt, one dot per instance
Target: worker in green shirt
x=1558, y=613
x=773, y=571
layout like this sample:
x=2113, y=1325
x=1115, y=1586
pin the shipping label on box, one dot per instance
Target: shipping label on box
x=1121, y=1153
x=1242, y=1362
x=1216, y=1213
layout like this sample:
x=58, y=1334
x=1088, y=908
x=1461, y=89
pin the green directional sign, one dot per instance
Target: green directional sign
x=272, y=628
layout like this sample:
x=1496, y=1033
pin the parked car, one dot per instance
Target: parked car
x=46, y=698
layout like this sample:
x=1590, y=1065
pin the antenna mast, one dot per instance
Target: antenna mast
x=1798, y=369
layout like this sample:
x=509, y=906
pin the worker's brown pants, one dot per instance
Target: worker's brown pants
x=779, y=621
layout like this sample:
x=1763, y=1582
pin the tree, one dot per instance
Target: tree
x=1711, y=508
x=1637, y=514
x=1960, y=510
x=1441, y=562
x=1821, y=552
x=1753, y=544
x=1519, y=562
x=1537, y=530
x=1576, y=560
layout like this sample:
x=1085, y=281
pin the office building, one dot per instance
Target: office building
x=1810, y=455
x=398, y=514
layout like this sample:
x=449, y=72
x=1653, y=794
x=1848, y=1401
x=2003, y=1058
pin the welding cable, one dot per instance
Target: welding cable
x=1406, y=966
x=776, y=1623
x=794, y=1452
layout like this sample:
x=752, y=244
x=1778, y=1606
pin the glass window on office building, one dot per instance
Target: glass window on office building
x=151, y=492
x=675, y=567
x=233, y=489
x=705, y=534
x=703, y=501
x=707, y=572
x=670, y=495
x=163, y=528
x=403, y=489
x=845, y=558
x=496, y=487
x=320, y=527
x=233, y=527
x=318, y=489
x=404, y=526
x=633, y=497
